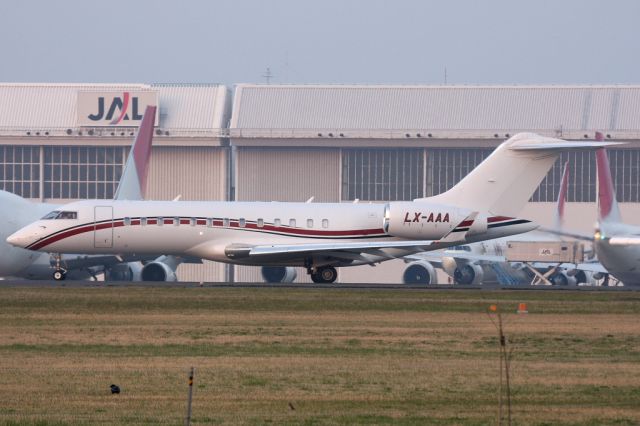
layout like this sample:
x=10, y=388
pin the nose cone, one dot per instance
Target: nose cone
x=19, y=239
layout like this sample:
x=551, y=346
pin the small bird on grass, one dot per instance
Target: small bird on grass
x=292, y=407
x=115, y=389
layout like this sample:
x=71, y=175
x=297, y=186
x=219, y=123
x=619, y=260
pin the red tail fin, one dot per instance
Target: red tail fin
x=134, y=176
x=607, y=204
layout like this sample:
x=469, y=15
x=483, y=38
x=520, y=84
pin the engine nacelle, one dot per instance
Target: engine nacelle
x=420, y=220
x=420, y=272
x=158, y=271
x=279, y=274
x=131, y=271
x=468, y=274
x=583, y=277
x=562, y=278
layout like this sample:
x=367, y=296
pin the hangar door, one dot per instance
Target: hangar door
x=103, y=227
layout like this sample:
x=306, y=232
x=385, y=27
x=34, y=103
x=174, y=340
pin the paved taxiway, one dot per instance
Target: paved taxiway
x=350, y=286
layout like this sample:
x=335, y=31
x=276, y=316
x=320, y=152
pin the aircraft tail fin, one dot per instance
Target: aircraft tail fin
x=562, y=198
x=608, y=210
x=134, y=176
x=503, y=183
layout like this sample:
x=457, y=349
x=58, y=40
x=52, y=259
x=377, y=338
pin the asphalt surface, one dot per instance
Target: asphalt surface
x=350, y=286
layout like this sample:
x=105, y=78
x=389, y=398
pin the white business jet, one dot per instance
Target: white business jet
x=17, y=212
x=319, y=236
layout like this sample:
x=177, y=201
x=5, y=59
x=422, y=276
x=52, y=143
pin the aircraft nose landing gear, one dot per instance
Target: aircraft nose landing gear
x=324, y=275
x=60, y=273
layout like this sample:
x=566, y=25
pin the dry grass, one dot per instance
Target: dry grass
x=339, y=357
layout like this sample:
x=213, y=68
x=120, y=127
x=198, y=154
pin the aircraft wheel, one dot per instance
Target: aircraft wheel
x=59, y=274
x=325, y=275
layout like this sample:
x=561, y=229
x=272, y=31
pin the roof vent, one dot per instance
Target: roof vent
x=418, y=135
x=69, y=131
x=407, y=135
x=28, y=133
x=319, y=135
x=330, y=135
x=430, y=135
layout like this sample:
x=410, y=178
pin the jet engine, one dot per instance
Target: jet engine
x=158, y=271
x=468, y=274
x=131, y=271
x=582, y=277
x=419, y=272
x=563, y=278
x=279, y=274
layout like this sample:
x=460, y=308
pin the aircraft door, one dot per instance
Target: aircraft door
x=103, y=227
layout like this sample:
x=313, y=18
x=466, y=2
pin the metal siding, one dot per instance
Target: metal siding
x=206, y=272
x=198, y=109
x=194, y=173
x=266, y=174
x=369, y=108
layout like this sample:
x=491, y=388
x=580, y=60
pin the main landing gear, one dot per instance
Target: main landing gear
x=324, y=275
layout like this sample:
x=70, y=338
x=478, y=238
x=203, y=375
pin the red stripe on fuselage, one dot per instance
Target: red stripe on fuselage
x=296, y=232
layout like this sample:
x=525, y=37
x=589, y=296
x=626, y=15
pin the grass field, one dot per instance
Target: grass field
x=336, y=356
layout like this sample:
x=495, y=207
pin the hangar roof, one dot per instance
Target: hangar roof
x=185, y=109
x=446, y=111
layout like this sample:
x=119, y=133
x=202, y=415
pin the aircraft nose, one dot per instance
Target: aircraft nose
x=18, y=239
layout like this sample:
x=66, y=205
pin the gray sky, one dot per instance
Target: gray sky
x=323, y=41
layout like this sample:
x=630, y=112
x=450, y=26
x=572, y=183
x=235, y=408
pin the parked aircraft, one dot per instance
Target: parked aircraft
x=18, y=212
x=485, y=261
x=318, y=236
x=616, y=243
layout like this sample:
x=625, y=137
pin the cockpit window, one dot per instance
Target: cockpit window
x=57, y=214
x=51, y=215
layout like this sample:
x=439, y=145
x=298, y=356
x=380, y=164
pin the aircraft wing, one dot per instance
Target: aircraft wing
x=625, y=240
x=435, y=257
x=562, y=233
x=279, y=249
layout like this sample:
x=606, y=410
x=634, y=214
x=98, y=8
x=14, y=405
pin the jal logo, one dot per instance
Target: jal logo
x=417, y=217
x=121, y=108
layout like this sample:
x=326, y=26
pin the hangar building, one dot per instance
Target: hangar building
x=292, y=142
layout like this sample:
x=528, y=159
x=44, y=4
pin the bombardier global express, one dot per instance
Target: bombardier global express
x=321, y=236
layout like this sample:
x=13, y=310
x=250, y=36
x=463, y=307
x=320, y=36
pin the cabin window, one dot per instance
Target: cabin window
x=276, y=222
x=143, y=221
x=260, y=223
x=292, y=223
x=226, y=222
x=242, y=222
x=325, y=223
x=127, y=221
x=309, y=223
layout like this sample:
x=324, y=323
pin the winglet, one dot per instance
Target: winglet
x=134, y=177
x=607, y=205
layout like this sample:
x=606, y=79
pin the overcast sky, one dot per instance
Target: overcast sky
x=323, y=41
